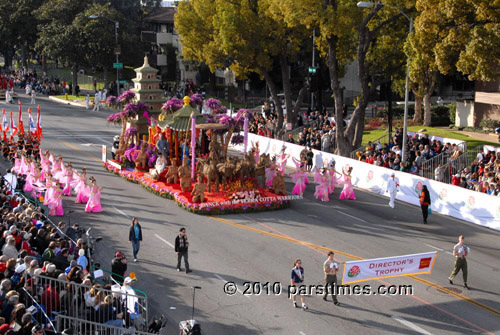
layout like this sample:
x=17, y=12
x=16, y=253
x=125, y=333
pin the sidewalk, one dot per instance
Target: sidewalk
x=490, y=137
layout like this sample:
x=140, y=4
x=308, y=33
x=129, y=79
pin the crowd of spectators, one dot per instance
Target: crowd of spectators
x=44, y=271
x=483, y=175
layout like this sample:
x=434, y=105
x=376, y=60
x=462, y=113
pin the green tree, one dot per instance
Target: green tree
x=7, y=37
x=61, y=36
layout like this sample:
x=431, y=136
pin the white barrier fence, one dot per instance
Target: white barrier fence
x=443, y=140
x=479, y=208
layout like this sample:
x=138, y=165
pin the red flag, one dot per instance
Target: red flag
x=39, y=125
x=5, y=125
x=33, y=129
x=20, y=122
x=13, y=128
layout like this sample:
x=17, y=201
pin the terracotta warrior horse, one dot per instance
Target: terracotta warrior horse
x=210, y=171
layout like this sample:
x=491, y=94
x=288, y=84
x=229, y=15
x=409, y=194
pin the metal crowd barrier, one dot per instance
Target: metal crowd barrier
x=84, y=327
x=57, y=296
x=383, y=140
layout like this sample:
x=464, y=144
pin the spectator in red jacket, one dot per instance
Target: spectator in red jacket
x=455, y=180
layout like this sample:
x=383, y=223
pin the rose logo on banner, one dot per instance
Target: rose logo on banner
x=369, y=177
x=471, y=202
x=418, y=187
x=443, y=194
x=425, y=262
x=354, y=271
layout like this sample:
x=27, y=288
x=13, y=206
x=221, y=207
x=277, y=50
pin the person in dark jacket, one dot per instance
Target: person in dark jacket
x=181, y=248
x=135, y=237
x=425, y=202
x=297, y=279
x=119, y=267
x=61, y=259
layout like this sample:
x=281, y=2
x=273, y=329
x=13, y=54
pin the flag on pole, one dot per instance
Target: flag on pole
x=20, y=122
x=13, y=128
x=39, y=125
x=33, y=129
x=5, y=125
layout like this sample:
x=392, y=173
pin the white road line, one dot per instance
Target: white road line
x=302, y=333
x=448, y=252
x=167, y=242
x=122, y=213
x=103, y=140
x=352, y=216
x=225, y=281
x=433, y=247
x=410, y=325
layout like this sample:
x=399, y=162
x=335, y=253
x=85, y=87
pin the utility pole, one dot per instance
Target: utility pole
x=314, y=69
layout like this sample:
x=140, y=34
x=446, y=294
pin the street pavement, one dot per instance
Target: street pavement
x=261, y=247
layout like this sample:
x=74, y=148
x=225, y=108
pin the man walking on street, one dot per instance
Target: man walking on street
x=181, y=248
x=330, y=267
x=392, y=188
x=461, y=252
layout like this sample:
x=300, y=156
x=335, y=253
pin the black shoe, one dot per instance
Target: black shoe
x=324, y=298
x=178, y=269
x=337, y=303
x=188, y=271
x=467, y=287
x=451, y=281
x=425, y=221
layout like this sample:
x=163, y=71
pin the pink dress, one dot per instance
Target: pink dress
x=67, y=179
x=283, y=159
x=300, y=182
x=332, y=181
x=348, y=191
x=321, y=191
x=17, y=165
x=270, y=174
x=82, y=191
x=94, y=203
x=49, y=192
x=32, y=177
x=55, y=204
x=23, y=167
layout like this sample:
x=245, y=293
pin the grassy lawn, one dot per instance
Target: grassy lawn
x=71, y=97
x=372, y=135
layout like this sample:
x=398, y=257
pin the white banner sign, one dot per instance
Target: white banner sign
x=103, y=152
x=370, y=269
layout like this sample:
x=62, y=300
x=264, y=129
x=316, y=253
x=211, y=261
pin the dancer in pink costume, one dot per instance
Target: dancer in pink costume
x=82, y=189
x=49, y=191
x=67, y=179
x=55, y=204
x=32, y=178
x=17, y=164
x=23, y=167
x=298, y=165
x=299, y=178
x=333, y=180
x=94, y=203
x=321, y=191
x=57, y=169
x=271, y=173
x=348, y=191
x=256, y=151
x=283, y=157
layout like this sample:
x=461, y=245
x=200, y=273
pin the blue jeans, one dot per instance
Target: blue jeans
x=136, y=245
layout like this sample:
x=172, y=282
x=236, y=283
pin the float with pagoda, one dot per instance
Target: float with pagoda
x=176, y=152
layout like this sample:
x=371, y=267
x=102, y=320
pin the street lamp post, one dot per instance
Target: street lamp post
x=366, y=4
x=117, y=52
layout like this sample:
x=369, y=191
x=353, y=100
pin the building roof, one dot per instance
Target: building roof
x=161, y=15
x=146, y=68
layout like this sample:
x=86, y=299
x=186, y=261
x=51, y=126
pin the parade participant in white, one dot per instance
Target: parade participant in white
x=392, y=188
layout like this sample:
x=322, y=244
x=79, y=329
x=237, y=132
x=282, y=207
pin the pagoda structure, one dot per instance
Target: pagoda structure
x=147, y=90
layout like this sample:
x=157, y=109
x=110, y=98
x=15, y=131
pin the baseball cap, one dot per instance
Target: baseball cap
x=128, y=280
x=118, y=254
x=21, y=268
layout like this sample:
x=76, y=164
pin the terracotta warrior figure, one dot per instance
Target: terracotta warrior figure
x=142, y=157
x=198, y=191
x=122, y=146
x=185, y=175
x=173, y=172
x=279, y=186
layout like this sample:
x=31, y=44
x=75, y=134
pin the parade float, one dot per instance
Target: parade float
x=213, y=182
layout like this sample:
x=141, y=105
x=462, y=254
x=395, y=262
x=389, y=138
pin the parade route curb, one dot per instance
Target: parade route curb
x=61, y=101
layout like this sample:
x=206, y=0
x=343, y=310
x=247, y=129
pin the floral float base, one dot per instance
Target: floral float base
x=215, y=202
